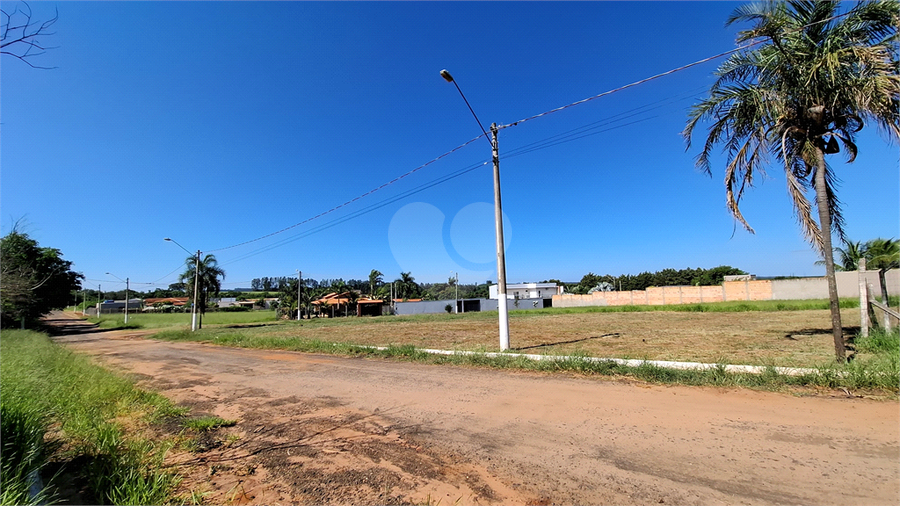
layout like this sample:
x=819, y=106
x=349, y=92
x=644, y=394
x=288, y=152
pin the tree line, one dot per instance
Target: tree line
x=666, y=277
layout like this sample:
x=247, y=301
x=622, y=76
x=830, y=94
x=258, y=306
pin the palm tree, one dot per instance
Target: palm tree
x=850, y=255
x=375, y=279
x=208, y=283
x=883, y=254
x=816, y=79
x=406, y=286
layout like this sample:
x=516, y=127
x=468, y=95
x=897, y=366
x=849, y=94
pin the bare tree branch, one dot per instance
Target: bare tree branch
x=19, y=35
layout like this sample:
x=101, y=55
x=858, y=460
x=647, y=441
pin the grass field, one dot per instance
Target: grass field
x=166, y=320
x=783, y=338
x=79, y=418
x=769, y=333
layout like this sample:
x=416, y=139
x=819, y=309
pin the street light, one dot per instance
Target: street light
x=196, y=279
x=498, y=222
x=126, y=294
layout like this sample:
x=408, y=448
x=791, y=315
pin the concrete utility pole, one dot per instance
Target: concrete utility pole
x=501, y=254
x=299, y=284
x=126, y=293
x=498, y=221
x=194, y=308
x=196, y=281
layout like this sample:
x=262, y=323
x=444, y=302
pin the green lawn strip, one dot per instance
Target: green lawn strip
x=706, y=307
x=80, y=401
x=167, y=320
x=877, y=366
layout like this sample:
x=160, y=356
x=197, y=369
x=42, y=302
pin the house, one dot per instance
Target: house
x=171, y=301
x=333, y=304
x=118, y=306
x=528, y=291
x=252, y=303
x=337, y=304
x=164, y=304
x=369, y=307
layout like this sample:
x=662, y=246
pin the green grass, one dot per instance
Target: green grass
x=23, y=451
x=207, y=423
x=45, y=385
x=166, y=320
x=706, y=307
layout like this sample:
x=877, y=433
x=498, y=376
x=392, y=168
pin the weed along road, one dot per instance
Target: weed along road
x=325, y=429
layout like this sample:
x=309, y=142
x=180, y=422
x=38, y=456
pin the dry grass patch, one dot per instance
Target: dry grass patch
x=762, y=338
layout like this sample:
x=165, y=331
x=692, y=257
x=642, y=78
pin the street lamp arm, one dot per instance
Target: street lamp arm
x=446, y=75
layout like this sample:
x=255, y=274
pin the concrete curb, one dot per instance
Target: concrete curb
x=746, y=369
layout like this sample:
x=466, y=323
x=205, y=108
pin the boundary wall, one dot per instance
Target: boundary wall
x=438, y=306
x=758, y=289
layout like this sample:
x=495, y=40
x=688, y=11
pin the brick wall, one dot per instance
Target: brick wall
x=782, y=289
x=657, y=296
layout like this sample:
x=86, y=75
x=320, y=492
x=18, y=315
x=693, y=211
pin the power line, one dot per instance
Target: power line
x=360, y=212
x=663, y=74
x=579, y=102
x=568, y=136
x=335, y=208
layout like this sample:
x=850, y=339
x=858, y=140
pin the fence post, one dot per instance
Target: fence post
x=873, y=318
x=863, y=300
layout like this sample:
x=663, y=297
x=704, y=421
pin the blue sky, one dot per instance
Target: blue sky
x=217, y=123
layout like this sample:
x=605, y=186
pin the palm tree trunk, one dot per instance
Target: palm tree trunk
x=828, y=253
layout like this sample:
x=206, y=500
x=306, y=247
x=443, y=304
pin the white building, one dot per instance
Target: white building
x=528, y=291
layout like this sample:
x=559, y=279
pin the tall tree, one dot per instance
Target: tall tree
x=406, y=286
x=208, y=282
x=816, y=78
x=33, y=280
x=375, y=279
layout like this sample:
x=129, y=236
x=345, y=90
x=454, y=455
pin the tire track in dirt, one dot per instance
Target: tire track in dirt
x=325, y=429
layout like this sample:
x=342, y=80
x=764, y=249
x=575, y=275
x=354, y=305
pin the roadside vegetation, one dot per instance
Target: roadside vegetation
x=165, y=320
x=60, y=409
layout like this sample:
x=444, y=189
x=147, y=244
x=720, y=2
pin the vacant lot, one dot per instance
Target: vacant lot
x=792, y=338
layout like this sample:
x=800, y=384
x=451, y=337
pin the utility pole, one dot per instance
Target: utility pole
x=194, y=307
x=498, y=220
x=99, y=300
x=299, y=284
x=457, y=291
x=126, y=293
x=501, y=255
x=196, y=282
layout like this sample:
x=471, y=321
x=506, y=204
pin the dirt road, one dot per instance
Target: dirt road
x=323, y=429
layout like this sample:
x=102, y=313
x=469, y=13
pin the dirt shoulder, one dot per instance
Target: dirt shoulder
x=329, y=430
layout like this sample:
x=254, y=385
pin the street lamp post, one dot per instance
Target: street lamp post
x=126, y=294
x=498, y=222
x=196, y=280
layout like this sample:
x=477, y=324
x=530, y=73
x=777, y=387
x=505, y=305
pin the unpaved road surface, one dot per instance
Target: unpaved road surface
x=319, y=429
